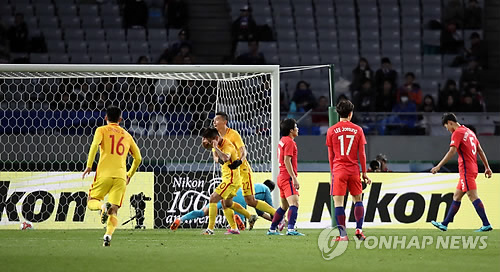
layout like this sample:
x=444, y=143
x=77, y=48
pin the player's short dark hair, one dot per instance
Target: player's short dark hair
x=209, y=133
x=270, y=184
x=113, y=113
x=449, y=116
x=287, y=125
x=344, y=107
x=223, y=114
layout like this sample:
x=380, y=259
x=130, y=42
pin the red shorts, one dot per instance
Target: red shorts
x=342, y=181
x=467, y=182
x=286, y=187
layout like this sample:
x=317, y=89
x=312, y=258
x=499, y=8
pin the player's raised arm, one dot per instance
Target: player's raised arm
x=136, y=154
x=221, y=155
x=482, y=156
x=93, y=151
x=446, y=158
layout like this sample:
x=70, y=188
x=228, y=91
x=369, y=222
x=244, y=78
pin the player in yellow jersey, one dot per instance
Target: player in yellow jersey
x=111, y=177
x=220, y=122
x=231, y=179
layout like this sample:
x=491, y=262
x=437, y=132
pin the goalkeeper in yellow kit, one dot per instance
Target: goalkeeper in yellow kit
x=111, y=177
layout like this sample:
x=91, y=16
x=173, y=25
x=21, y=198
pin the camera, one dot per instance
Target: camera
x=138, y=202
x=375, y=166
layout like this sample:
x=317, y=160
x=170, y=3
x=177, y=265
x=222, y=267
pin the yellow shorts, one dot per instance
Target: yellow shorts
x=227, y=188
x=246, y=181
x=114, y=187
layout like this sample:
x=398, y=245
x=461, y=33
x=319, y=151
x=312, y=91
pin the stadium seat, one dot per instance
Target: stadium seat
x=327, y=22
x=80, y=58
x=136, y=35
x=100, y=58
x=67, y=9
x=95, y=35
x=39, y=58
x=89, y=11
x=52, y=33
x=70, y=21
x=27, y=9
x=97, y=47
x=118, y=47
x=91, y=22
x=121, y=59
x=56, y=46
x=43, y=9
x=113, y=34
x=48, y=22
x=77, y=47
x=112, y=22
x=59, y=58
x=74, y=34
x=157, y=34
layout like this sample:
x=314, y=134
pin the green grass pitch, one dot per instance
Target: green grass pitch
x=187, y=250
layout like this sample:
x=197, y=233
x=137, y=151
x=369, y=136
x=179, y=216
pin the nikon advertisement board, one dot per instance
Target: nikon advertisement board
x=58, y=200
x=397, y=200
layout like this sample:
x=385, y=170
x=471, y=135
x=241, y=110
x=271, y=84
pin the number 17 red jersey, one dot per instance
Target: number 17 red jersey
x=347, y=139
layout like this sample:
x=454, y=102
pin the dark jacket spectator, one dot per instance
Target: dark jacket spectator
x=177, y=14
x=428, y=105
x=477, y=97
x=253, y=56
x=471, y=75
x=385, y=97
x=18, y=34
x=473, y=15
x=184, y=56
x=364, y=99
x=183, y=38
x=450, y=88
x=451, y=104
x=360, y=74
x=244, y=27
x=469, y=104
x=451, y=40
x=320, y=112
x=453, y=11
x=135, y=13
x=303, y=97
x=385, y=73
x=406, y=105
x=478, y=50
x=411, y=89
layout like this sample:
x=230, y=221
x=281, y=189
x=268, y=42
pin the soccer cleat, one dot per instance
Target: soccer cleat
x=231, y=231
x=106, y=241
x=439, y=225
x=176, y=224
x=239, y=222
x=294, y=233
x=341, y=238
x=104, y=212
x=270, y=232
x=251, y=221
x=360, y=235
x=282, y=224
x=207, y=232
x=484, y=228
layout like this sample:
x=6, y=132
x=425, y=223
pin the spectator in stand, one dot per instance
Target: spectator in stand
x=360, y=74
x=471, y=75
x=473, y=15
x=477, y=97
x=469, y=104
x=454, y=11
x=253, y=56
x=183, y=38
x=284, y=105
x=428, y=105
x=244, y=26
x=135, y=13
x=451, y=40
x=143, y=60
x=477, y=51
x=450, y=88
x=18, y=34
x=411, y=89
x=177, y=14
x=184, y=56
x=385, y=97
x=303, y=97
x=408, y=122
x=451, y=104
x=385, y=73
x=364, y=99
x=320, y=112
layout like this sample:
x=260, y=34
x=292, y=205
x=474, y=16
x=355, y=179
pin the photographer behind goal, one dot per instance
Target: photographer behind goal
x=379, y=164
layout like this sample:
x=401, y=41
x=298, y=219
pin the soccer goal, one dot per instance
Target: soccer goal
x=49, y=113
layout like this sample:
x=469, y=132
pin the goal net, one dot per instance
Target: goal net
x=48, y=114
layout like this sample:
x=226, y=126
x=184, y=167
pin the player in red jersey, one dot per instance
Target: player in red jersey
x=346, y=142
x=287, y=178
x=465, y=142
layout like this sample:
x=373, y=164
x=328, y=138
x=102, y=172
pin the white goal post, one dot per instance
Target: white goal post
x=37, y=101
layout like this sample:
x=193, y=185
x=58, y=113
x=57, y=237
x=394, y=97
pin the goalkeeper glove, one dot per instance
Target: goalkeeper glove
x=221, y=161
x=235, y=164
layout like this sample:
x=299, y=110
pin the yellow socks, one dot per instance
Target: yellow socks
x=239, y=209
x=94, y=205
x=229, y=214
x=263, y=206
x=212, y=214
x=112, y=223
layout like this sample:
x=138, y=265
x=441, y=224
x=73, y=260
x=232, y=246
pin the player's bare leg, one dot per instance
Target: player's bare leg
x=359, y=212
x=112, y=223
x=455, y=205
x=338, y=201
